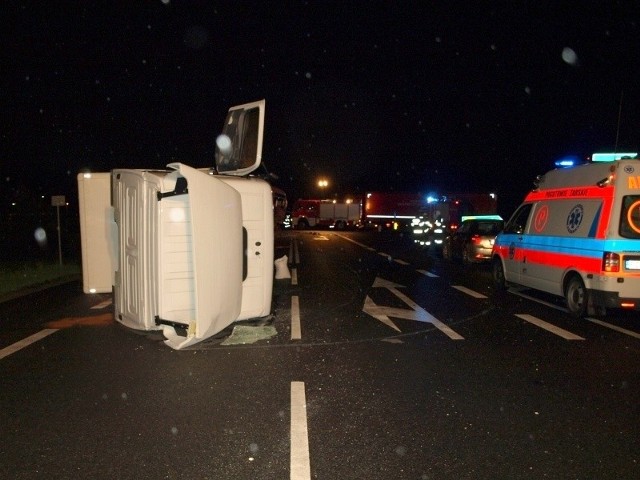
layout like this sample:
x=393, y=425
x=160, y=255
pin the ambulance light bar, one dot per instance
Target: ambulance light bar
x=480, y=217
x=611, y=157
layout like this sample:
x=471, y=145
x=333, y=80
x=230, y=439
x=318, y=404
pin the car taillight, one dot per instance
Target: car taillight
x=476, y=239
x=610, y=262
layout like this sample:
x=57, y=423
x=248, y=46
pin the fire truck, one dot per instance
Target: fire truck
x=391, y=210
x=307, y=213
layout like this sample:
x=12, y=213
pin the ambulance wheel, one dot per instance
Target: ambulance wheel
x=499, y=281
x=577, y=297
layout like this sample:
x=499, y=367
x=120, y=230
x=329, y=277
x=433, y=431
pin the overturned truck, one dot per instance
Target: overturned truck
x=186, y=251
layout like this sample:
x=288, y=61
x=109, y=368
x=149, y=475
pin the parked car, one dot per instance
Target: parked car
x=473, y=240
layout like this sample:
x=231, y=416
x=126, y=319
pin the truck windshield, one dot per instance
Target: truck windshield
x=630, y=217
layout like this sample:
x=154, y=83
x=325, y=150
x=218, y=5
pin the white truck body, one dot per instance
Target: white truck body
x=193, y=251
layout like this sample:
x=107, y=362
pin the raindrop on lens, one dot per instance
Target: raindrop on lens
x=41, y=236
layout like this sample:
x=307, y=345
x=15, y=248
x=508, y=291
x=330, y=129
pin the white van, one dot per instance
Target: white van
x=577, y=235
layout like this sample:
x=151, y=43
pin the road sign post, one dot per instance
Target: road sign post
x=59, y=201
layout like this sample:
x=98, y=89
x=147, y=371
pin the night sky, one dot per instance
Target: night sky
x=405, y=96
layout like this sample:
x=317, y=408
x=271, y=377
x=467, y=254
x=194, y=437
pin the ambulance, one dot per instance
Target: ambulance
x=577, y=235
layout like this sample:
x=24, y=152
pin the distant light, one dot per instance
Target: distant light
x=86, y=175
x=492, y=195
x=431, y=199
x=92, y=290
x=611, y=157
x=565, y=162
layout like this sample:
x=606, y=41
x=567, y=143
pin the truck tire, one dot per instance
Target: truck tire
x=340, y=225
x=576, y=296
x=302, y=224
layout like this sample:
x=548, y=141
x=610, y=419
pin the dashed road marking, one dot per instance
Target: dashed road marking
x=614, y=327
x=427, y=273
x=548, y=326
x=296, y=332
x=25, y=342
x=300, y=465
x=468, y=291
x=104, y=304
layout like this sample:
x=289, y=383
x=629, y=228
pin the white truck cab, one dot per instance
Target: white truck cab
x=577, y=235
x=184, y=250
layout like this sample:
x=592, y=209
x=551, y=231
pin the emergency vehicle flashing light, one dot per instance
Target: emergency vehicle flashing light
x=611, y=157
x=565, y=162
x=480, y=217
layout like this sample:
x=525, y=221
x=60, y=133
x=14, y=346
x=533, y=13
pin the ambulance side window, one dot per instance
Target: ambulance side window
x=518, y=221
x=630, y=217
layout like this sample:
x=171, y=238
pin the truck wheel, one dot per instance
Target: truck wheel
x=339, y=225
x=303, y=225
x=576, y=296
x=499, y=281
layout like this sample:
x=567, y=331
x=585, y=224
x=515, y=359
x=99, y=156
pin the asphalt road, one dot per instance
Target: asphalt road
x=386, y=362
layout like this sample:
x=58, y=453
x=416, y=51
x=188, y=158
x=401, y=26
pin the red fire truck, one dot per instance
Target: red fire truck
x=391, y=210
x=308, y=213
x=398, y=210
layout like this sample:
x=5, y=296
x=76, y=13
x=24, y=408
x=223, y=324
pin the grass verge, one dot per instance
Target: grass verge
x=24, y=275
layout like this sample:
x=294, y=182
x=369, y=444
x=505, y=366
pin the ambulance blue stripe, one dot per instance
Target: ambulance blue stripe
x=586, y=247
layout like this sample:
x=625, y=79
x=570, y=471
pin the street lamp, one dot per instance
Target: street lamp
x=322, y=185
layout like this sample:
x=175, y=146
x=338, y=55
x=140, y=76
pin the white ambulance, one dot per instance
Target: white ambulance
x=577, y=235
x=184, y=251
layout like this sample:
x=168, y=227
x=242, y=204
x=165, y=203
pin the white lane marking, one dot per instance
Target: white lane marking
x=548, y=326
x=517, y=292
x=294, y=276
x=104, y=304
x=614, y=327
x=296, y=333
x=320, y=237
x=353, y=241
x=5, y=352
x=468, y=291
x=416, y=313
x=401, y=262
x=382, y=254
x=428, y=274
x=300, y=465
